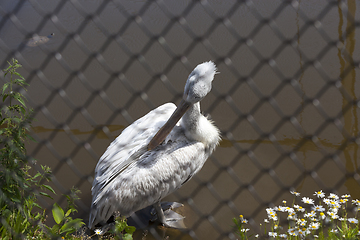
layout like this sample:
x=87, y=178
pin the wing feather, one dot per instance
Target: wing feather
x=125, y=150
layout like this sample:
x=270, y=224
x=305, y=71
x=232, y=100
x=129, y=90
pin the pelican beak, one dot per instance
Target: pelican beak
x=169, y=125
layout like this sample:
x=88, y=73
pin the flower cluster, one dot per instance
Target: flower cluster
x=319, y=217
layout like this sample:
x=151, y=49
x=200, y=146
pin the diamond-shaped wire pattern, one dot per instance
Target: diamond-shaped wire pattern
x=286, y=99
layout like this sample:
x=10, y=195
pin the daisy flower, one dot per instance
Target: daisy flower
x=283, y=235
x=333, y=196
x=304, y=231
x=346, y=196
x=272, y=234
x=353, y=220
x=319, y=194
x=293, y=231
x=301, y=222
x=98, y=231
x=299, y=208
x=343, y=200
x=356, y=202
x=295, y=193
x=333, y=215
x=282, y=209
x=310, y=214
x=271, y=214
x=318, y=208
x=314, y=226
x=307, y=200
x=245, y=230
x=292, y=216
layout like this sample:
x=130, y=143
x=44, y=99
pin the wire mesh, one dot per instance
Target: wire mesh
x=285, y=100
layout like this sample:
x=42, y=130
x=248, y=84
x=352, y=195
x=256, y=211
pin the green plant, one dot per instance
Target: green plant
x=122, y=230
x=21, y=217
x=65, y=225
x=19, y=189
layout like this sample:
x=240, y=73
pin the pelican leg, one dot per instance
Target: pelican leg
x=169, y=218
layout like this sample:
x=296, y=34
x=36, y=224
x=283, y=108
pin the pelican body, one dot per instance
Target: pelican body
x=156, y=154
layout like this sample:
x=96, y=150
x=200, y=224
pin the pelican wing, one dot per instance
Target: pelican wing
x=127, y=148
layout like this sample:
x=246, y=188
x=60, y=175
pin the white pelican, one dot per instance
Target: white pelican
x=156, y=155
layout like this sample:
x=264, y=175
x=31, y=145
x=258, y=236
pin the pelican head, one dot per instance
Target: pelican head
x=198, y=85
x=199, y=82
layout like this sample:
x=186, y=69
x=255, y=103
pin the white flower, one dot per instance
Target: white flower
x=271, y=214
x=245, y=230
x=301, y=222
x=295, y=193
x=334, y=203
x=318, y=208
x=257, y=235
x=304, y=231
x=319, y=194
x=334, y=230
x=98, y=231
x=346, y=196
x=283, y=235
x=292, y=216
x=353, y=220
x=343, y=200
x=307, y=200
x=310, y=214
x=272, y=234
x=299, y=208
x=266, y=221
x=333, y=215
x=293, y=231
x=270, y=211
x=333, y=196
x=356, y=202
x=314, y=225
x=282, y=209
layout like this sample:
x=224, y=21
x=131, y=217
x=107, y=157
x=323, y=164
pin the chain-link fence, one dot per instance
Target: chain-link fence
x=286, y=99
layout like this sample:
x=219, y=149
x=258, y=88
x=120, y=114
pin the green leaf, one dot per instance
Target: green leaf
x=45, y=195
x=5, y=96
x=68, y=212
x=72, y=225
x=5, y=86
x=37, y=205
x=120, y=226
x=49, y=188
x=19, y=98
x=36, y=175
x=58, y=213
x=55, y=229
x=130, y=229
x=127, y=236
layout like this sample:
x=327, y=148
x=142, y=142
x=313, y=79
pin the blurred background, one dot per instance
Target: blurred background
x=286, y=99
